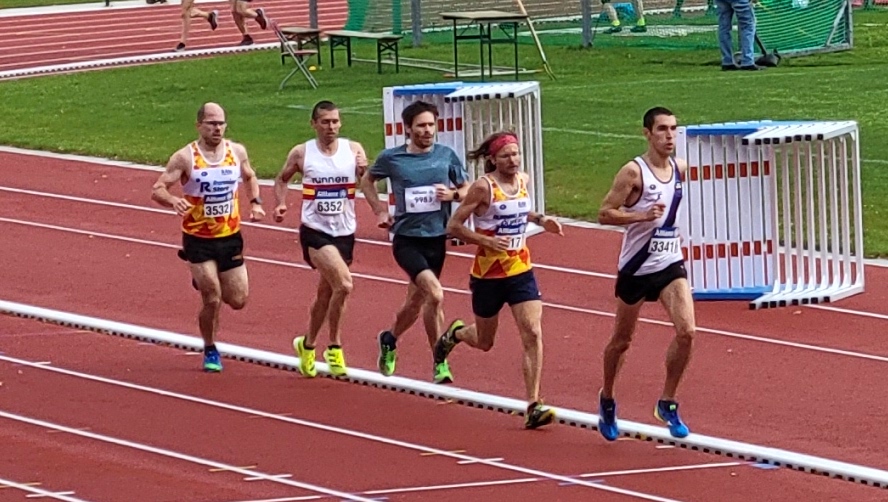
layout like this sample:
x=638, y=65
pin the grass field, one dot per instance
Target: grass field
x=592, y=113
x=12, y=4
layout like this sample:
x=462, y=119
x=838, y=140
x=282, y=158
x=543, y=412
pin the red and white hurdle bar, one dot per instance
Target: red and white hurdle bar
x=773, y=212
x=469, y=112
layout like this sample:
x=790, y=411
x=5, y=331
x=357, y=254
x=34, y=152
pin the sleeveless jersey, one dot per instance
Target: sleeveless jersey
x=651, y=246
x=328, y=189
x=213, y=191
x=506, y=216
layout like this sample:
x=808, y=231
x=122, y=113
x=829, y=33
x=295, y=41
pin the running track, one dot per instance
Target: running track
x=55, y=39
x=84, y=238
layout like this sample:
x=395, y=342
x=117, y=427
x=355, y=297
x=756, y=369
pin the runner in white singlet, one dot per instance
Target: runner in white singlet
x=645, y=197
x=330, y=168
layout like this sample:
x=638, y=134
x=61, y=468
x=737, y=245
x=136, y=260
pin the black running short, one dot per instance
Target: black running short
x=314, y=239
x=634, y=288
x=227, y=252
x=489, y=295
x=415, y=254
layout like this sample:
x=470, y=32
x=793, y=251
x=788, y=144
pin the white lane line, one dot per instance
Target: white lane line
x=558, y=306
x=179, y=456
x=26, y=487
x=54, y=495
x=328, y=428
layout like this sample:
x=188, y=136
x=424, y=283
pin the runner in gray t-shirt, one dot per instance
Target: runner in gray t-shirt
x=420, y=173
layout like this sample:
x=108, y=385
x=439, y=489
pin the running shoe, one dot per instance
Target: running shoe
x=261, y=20
x=607, y=418
x=387, y=354
x=667, y=411
x=336, y=361
x=306, y=357
x=538, y=416
x=213, y=19
x=447, y=342
x=212, y=361
x=442, y=373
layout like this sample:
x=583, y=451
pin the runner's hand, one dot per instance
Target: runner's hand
x=384, y=220
x=182, y=206
x=279, y=213
x=552, y=225
x=256, y=212
x=443, y=193
x=498, y=243
x=656, y=211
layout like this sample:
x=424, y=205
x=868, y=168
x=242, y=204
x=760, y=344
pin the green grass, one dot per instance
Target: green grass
x=12, y=4
x=591, y=114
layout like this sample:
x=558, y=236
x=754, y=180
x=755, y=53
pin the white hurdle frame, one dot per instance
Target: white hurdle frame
x=774, y=212
x=469, y=112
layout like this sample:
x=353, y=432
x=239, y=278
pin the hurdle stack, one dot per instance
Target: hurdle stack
x=469, y=111
x=774, y=212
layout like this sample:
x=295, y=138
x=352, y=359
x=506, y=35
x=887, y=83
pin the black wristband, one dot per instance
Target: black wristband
x=257, y=200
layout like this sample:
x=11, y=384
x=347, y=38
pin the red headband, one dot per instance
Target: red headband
x=498, y=144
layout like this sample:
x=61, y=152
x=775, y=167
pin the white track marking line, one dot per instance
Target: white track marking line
x=179, y=456
x=38, y=491
x=557, y=306
x=328, y=428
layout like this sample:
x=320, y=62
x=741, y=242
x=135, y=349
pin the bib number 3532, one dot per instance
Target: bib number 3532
x=666, y=240
x=218, y=209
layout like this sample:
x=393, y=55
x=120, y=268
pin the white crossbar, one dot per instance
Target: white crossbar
x=774, y=211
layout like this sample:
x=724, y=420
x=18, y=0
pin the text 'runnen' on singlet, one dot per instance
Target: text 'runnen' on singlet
x=651, y=246
x=506, y=216
x=328, y=189
x=212, y=189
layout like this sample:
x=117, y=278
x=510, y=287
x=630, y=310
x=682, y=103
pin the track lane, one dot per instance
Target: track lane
x=268, y=323
x=478, y=433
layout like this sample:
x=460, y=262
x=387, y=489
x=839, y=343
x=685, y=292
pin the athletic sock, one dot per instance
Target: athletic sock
x=334, y=346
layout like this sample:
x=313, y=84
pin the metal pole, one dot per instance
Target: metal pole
x=416, y=21
x=313, y=14
x=586, y=8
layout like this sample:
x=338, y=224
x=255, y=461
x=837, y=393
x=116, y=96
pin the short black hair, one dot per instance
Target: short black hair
x=327, y=106
x=651, y=115
x=416, y=108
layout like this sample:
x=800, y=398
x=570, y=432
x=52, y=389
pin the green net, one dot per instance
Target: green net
x=792, y=27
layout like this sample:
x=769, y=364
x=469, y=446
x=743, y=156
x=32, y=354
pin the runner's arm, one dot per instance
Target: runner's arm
x=360, y=158
x=248, y=175
x=477, y=198
x=626, y=182
x=292, y=165
x=175, y=169
x=378, y=171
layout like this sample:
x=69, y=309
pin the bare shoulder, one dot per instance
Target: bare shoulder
x=355, y=146
x=629, y=172
x=682, y=164
x=239, y=150
x=480, y=189
x=180, y=160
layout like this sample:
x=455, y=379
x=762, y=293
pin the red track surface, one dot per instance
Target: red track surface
x=31, y=41
x=753, y=390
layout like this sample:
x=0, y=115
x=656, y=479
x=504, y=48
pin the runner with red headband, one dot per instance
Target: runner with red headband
x=502, y=272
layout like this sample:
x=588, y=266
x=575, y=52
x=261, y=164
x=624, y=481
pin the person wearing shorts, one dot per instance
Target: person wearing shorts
x=421, y=174
x=645, y=197
x=330, y=167
x=240, y=12
x=210, y=170
x=500, y=206
x=189, y=11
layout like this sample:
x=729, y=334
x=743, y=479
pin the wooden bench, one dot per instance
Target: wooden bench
x=385, y=43
x=303, y=37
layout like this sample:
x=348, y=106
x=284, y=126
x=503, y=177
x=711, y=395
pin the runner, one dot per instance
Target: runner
x=420, y=173
x=190, y=11
x=330, y=167
x=645, y=198
x=209, y=170
x=500, y=206
x=240, y=11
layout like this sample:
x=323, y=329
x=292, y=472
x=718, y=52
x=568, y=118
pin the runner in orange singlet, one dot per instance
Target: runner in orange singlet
x=210, y=171
x=502, y=271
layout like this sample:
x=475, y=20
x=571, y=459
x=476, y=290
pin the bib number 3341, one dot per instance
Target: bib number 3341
x=666, y=240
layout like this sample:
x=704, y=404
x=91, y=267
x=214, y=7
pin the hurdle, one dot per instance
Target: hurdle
x=774, y=211
x=469, y=112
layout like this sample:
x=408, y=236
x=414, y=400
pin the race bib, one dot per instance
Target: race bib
x=421, y=199
x=666, y=240
x=216, y=206
x=516, y=242
x=512, y=217
x=330, y=202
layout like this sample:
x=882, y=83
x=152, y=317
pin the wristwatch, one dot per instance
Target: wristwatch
x=257, y=200
x=456, y=195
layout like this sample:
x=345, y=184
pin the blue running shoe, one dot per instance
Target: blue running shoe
x=667, y=411
x=607, y=421
x=212, y=361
